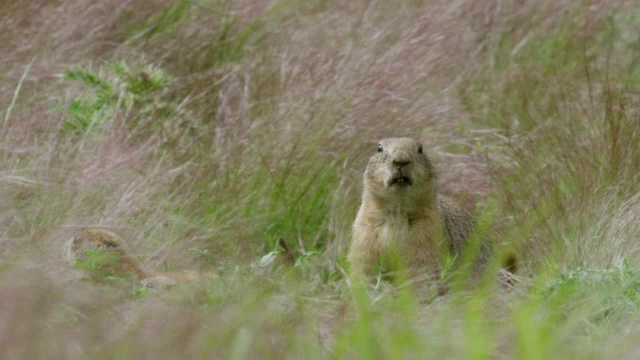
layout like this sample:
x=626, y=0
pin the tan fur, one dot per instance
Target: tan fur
x=407, y=218
x=93, y=239
x=161, y=280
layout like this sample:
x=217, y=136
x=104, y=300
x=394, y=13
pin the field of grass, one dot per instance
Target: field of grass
x=205, y=131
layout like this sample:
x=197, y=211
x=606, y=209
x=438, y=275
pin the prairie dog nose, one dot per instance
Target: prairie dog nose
x=401, y=159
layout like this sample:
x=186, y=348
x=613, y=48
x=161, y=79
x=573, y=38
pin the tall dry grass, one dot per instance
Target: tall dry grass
x=260, y=132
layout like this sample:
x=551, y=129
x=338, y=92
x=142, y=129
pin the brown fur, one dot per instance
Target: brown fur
x=93, y=239
x=408, y=218
x=161, y=280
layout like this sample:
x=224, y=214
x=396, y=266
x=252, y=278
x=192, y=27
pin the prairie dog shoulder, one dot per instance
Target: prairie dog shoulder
x=403, y=215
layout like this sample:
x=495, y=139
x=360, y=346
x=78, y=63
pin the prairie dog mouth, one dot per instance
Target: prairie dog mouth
x=401, y=181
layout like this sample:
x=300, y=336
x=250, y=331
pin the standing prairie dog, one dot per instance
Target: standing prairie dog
x=403, y=216
x=94, y=239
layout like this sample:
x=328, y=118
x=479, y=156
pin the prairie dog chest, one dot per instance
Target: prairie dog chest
x=395, y=230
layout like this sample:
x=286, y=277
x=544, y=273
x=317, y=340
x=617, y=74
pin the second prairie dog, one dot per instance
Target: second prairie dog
x=402, y=215
x=95, y=238
x=170, y=279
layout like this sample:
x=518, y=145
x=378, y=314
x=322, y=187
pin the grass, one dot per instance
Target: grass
x=206, y=131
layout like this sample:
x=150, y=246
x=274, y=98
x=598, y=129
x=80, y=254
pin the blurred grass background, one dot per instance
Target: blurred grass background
x=204, y=131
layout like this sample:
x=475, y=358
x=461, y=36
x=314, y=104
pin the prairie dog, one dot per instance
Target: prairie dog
x=403, y=216
x=94, y=239
x=160, y=280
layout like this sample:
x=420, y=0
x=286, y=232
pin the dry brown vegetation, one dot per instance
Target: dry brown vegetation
x=223, y=126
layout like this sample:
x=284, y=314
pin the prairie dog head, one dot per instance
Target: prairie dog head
x=158, y=281
x=91, y=239
x=166, y=280
x=400, y=168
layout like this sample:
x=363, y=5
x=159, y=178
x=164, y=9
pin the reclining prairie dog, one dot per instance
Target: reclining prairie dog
x=402, y=215
x=94, y=239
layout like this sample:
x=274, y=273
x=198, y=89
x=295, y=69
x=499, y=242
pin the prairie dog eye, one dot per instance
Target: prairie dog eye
x=420, y=149
x=379, y=148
